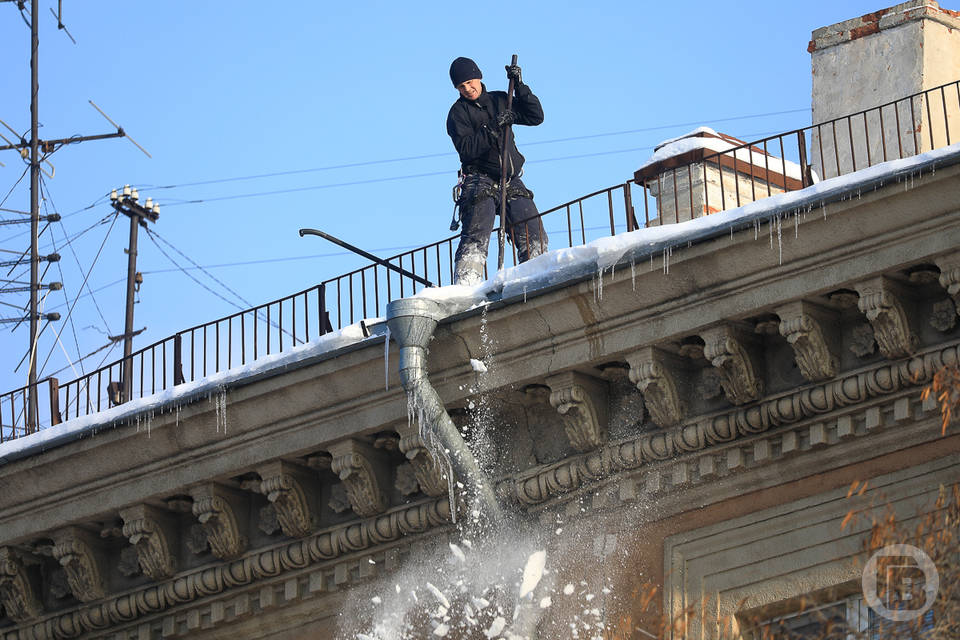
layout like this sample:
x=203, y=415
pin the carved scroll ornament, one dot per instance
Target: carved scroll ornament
x=16, y=592
x=581, y=402
x=650, y=371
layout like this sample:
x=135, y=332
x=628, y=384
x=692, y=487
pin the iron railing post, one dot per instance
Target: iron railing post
x=54, y=401
x=804, y=169
x=178, y=360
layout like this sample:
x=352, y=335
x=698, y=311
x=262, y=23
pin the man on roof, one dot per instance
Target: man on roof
x=477, y=123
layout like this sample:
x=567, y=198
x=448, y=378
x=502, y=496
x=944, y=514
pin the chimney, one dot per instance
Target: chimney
x=878, y=59
x=704, y=172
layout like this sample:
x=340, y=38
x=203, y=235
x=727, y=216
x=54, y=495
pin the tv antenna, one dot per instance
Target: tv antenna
x=30, y=150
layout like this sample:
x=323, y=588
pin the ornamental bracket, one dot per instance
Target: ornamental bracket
x=221, y=511
x=363, y=471
x=950, y=277
x=288, y=488
x=581, y=402
x=17, y=595
x=153, y=533
x=431, y=477
x=78, y=552
x=653, y=370
x=730, y=351
x=881, y=301
x=807, y=328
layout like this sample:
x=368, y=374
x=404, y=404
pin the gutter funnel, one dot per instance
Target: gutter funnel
x=412, y=322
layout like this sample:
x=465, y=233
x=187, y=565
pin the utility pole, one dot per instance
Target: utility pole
x=126, y=203
x=32, y=411
x=33, y=148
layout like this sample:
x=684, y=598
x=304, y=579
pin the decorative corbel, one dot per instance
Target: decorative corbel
x=153, y=533
x=805, y=327
x=581, y=402
x=950, y=277
x=431, y=477
x=363, y=471
x=653, y=371
x=19, y=599
x=880, y=301
x=220, y=511
x=78, y=552
x=729, y=351
x=286, y=486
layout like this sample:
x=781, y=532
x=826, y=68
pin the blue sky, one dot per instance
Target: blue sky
x=218, y=92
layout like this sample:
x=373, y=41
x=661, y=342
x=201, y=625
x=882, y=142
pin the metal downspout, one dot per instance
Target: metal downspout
x=412, y=322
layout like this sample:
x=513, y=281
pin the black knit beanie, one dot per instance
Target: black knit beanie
x=464, y=69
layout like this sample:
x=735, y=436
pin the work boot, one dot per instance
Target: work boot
x=468, y=269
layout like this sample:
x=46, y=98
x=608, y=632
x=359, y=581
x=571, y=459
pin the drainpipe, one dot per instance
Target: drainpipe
x=412, y=322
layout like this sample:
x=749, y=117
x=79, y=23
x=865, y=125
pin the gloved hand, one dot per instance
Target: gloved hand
x=505, y=118
x=513, y=73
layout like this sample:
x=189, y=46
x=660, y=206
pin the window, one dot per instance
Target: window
x=846, y=619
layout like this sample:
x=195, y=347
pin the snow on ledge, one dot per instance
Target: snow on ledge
x=548, y=270
x=184, y=393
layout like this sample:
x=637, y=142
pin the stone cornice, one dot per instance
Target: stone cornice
x=698, y=435
x=263, y=564
x=557, y=338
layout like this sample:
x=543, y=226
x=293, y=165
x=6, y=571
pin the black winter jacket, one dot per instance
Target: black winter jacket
x=472, y=126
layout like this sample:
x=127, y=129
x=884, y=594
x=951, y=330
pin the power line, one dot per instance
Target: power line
x=22, y=175
x=425, y=156
x=352, y=183
x=73, y=326
x=85, y=278
x=209, y=275
x=189, y=275
x=69, y=245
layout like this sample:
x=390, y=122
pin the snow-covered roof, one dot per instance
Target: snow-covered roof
x=560, y=266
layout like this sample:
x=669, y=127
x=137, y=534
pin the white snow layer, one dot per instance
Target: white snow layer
x=181, y=394
x=544, y=271
x=691, y=141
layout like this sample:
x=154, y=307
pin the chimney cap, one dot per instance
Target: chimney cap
x=682, y=150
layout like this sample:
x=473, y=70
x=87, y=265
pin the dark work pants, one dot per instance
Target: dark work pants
x=479, y=202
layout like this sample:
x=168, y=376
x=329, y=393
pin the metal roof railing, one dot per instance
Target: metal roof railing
x=783, y=162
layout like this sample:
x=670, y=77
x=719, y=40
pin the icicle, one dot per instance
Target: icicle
x=524, y=294
x=779, y=240
x=386, y=361
x=756, y=228
x=220, y=403
x=599, y=289
x=178, y=417
x=796, y=224
x=770, y=229
x=651, y=262
x=633, y=275
x=411, y=415
x=223, y=408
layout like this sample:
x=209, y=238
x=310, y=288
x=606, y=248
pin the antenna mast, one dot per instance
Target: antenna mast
x=35, y=145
